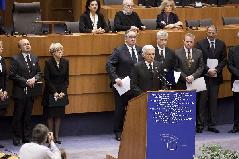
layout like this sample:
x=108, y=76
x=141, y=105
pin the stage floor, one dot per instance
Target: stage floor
x=98, y=146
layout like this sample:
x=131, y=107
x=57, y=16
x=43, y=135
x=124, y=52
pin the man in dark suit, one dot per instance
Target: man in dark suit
x=165, y=56
x=233, y=67
x=212, y=49
x=146, y=75
x=119, y=66
x=150, y=3
x=24, y=72
x=190, y=64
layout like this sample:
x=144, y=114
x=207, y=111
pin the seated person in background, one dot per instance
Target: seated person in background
x=127, y=19
x=36, y=149
x=150, y=3
x=167, y=19
x=92, y=21
x=146, y=74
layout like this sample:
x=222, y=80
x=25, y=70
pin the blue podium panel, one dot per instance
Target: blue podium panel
x=171, y=125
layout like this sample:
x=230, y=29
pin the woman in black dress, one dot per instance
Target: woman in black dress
x=56, y=75
x=167, y=19
x=92, y=21
x=3, y=83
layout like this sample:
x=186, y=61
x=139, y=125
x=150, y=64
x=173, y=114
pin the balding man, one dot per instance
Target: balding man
x=146, y=75
x=127, y=18
x=24, y=72
x=118, y=66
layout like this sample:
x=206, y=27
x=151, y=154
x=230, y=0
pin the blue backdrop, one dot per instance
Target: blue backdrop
x=171, y=125
x=2, y=4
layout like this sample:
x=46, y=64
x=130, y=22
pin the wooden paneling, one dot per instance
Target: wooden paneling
x=89, y=89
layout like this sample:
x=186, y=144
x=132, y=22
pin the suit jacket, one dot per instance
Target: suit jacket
x=56, y=79
x=233, y=64
x=123, y=22
x=196, y=68
x=3, y=75
x=143, y=79
x=120, y=63
x=162, y=17
x=152, y=3
x=19, y=73
x=86, y=25
x=220, y=54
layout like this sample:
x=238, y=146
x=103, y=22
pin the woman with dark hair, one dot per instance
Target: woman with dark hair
x=92, y=21
x=167, y=19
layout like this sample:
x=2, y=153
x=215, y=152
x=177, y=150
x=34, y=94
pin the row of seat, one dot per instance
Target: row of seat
x=25, y=16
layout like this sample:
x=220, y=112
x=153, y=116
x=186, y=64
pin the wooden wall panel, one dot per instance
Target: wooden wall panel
x=89, y=83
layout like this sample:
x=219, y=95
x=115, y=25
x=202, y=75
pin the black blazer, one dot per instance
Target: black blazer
x=233, y=63
x=3, y=75
x=86, y=25
x=220, y=54
x=123, y=22
x=169, y=60
x=142, y=79
x=120, y=63
x=172, y=18
x=56, y=79
x=19, y=73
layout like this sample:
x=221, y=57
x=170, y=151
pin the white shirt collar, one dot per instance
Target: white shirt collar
x=160, y=49
x=186, y=51
x=147, y=64
x=94, y=20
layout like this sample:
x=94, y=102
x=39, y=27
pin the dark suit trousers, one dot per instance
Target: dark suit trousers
x=22, y=118
x=121, y=103
x=236, y=109
x=210, y=101
x=200, y=109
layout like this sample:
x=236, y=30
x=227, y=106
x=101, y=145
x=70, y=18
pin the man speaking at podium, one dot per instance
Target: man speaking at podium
x=146, y=75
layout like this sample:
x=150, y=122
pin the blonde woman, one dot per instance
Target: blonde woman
x=167, y=19
x=56, y=75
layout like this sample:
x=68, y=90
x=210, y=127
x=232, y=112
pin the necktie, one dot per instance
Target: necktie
x=189, y=59
x=212, y=45
x=28, y=61
x=134, y=59
x=151, y=67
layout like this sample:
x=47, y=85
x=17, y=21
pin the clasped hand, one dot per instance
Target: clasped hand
x=59, y=95
x=31, y=82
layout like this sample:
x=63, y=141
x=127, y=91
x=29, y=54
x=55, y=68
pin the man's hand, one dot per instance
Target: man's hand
x=212, y=72
x=118, y=81
x=61, y=95
x=50, y=137
x=189, y=79
x=31, y=82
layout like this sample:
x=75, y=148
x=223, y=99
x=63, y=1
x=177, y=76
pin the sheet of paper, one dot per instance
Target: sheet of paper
x=235, y=86
x=198, y=84
x=125, y=87
x=176, y=76
x=212, y=63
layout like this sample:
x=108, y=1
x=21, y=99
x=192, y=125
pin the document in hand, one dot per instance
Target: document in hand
x=176, y=76
x=198, y=85
x=212, y=63
x=125, y=87
x=235, y=86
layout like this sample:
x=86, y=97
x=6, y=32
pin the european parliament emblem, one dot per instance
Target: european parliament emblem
x=171, y=125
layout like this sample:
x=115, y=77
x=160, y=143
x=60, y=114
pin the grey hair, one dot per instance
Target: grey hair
x=125, y=1
x=146, y=48
x=189, y=35
x=54, y=47
x=162, y=34
x=128, y=31
x=213, y=27
x=167, y=2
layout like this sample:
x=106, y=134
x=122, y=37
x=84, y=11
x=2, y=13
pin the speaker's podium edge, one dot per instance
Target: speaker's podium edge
x=133, y=139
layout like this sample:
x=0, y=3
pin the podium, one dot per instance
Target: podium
x=159, y=125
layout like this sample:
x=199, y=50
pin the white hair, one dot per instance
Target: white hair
x=162, y=34
x=126, y=1
x=146, y=48
x=54, y=47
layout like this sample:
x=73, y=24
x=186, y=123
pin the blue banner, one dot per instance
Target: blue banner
x=171, y=125
x=2, y=4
